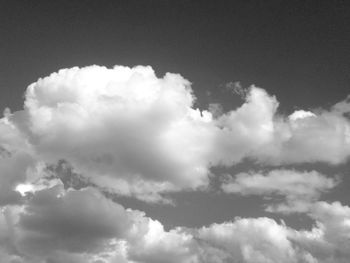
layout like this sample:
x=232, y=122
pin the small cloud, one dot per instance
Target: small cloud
x=236, y=88
x=299, y=190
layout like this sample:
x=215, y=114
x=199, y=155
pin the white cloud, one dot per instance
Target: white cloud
x=75, y=221
x=329, y=240
x=300, y=114
x=259, y=240
x=139, y=135
x=299, y=189
x=158, y=245
x=120, y=127
x=315, y=137
x=59, y=225
x=256, y=130
x=245, y=130
x=126, y=130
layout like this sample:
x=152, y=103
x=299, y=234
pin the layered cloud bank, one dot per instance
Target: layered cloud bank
x=56, y=225
x=88, y=131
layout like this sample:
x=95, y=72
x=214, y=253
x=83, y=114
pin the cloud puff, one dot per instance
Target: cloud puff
x=264, y=240
x=57, y=225
x=329, y=240
x=73, y=220
x=256, y=130
x=299, y=189
x=120, y=127
x=257, y=240
x=323, y=136
x=243, y=131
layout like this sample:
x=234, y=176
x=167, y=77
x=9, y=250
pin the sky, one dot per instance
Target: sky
x=174, y=131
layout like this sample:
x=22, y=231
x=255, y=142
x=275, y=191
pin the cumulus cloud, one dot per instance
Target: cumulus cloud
x=139, y=135
x=252, y=240
x=74, y=220
x=329, y=240
x=86, y=131
x=247, y=129
x=256, y=130
x=121, y=127
x=58, y=225
x=323, y=136
x=298, y=189
x=262, y=240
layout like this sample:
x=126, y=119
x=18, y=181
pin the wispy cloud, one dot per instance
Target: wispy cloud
x=299, y=190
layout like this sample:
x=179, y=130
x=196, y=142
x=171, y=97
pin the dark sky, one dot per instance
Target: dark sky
x=296, y=50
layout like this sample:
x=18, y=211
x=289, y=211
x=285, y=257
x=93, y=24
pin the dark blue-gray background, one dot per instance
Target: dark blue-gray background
x=296, y=50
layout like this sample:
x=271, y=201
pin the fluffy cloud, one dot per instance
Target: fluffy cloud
x=323, y=136
x=299, y=189
x=57, y=225
x=126, y=130
x=263, y=240
x=257, y=240
x=139, y=135
x=121, y=127
x=76, y=221
x=257, y=131
x=246, y=129
x=329, y=240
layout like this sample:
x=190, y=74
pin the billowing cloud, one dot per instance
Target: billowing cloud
x=121, y=127
x=139, y=135
x=323, y=136
x=256, y=130
x=245, y=130
x=126, y=129
x=73, y=220
x=329, y=240
x=298, y=189
x=252, y=240
x=57, y=225
x=86, y=131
